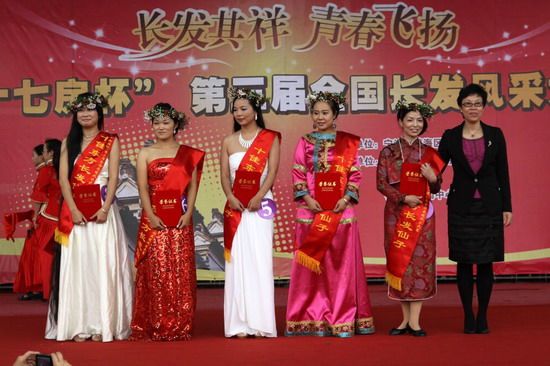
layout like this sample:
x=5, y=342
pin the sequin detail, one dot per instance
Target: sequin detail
x=166, y=279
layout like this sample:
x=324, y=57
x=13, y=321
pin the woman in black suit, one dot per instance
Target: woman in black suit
x=479, y=202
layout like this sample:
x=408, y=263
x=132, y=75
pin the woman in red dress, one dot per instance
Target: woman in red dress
x=165, y=299
x=48, y=216
x=27, y=279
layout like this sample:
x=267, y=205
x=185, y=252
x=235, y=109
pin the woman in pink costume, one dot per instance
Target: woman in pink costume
x=328, y=292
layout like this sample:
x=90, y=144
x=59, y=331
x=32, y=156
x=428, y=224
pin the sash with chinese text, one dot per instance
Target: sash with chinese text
x=408, y=228
x=254, y=160
x=86, y=170
x=177, y=178
x=325, y=223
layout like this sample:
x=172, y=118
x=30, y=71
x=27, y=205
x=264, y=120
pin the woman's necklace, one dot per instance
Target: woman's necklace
x=89, y=138
x=473, y=133
x=247, y=143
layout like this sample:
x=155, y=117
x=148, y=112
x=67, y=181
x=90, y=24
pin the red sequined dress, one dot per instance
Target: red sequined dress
x=165, y=294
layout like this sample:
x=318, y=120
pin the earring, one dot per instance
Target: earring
x=175, y=131
x=255, y=117
x=334, y=125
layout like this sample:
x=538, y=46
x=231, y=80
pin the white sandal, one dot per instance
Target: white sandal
x=97, y=338
x=80, y=338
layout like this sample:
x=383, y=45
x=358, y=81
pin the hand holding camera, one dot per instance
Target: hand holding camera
x=33, y=358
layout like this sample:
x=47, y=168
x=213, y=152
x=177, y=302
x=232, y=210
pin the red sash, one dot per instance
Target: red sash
x=86, y=170
x=408, y=228
x=254, y=160
x=325, y=223
x=177, y=178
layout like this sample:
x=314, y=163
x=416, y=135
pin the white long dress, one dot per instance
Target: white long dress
x=249, y=305
x=95, y=284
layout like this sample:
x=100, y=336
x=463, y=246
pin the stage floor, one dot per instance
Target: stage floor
x=519, y=318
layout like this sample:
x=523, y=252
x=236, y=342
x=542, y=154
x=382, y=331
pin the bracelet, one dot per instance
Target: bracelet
x=104, y=210
x=345, y=199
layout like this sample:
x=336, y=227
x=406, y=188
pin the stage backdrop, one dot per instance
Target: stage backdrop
x=189, y=53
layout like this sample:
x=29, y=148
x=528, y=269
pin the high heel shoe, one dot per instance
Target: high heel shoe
x=469, y=325
x=481, y=326
x=400, y=331
x=418, y=333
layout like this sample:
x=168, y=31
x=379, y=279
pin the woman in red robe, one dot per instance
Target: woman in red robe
x=27, y=280
x=411, y=273
x=48, y=216
x=165, y=299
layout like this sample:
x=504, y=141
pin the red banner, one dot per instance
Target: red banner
x=186, y=54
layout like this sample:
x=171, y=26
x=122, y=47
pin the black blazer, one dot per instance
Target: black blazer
x=492, y=180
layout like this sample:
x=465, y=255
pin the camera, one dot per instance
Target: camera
x=43, y=360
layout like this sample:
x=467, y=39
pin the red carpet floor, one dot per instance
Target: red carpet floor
x=519, y=319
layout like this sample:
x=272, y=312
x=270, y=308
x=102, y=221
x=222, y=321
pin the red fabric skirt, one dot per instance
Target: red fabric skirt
x=46, y=251
x=165, y=297
x=27, y=279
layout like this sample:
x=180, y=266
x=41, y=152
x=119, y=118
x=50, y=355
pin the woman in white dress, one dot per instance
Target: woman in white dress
x=94, y=295
x=249, y=307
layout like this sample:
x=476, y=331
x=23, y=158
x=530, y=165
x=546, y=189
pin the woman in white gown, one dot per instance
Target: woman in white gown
x=94, y=294
x=249, y=307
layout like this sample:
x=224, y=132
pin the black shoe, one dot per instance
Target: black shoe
x=469, y=325
x=418, y=333
x=481, y=326
x=399, y=331
x=26, y=297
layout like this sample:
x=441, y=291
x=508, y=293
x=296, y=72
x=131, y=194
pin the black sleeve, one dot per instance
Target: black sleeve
x=444, y=149
x=502, y=172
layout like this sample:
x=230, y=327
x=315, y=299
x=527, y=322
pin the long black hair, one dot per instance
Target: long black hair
x=54, y=145
x=257, y=109
x=74, y=138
